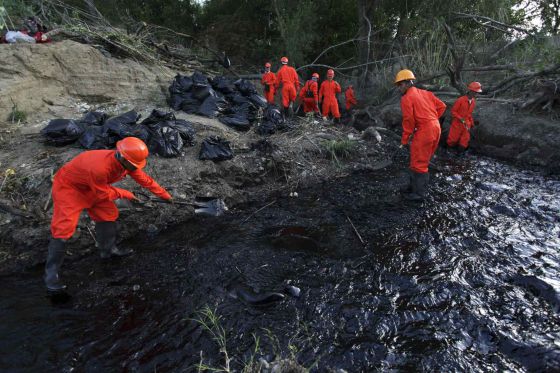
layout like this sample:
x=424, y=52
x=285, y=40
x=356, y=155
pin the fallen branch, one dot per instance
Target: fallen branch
x=507, y=83
x=355, y=230
x=350, y=67
x=259, y=210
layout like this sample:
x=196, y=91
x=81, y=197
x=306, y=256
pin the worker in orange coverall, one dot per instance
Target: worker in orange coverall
x=461, y=118
x=287, y=77
x=350, y=98
x=421, y=111
x=327, y=94
x=310, y=96
x=85, y=183
x=268, y=81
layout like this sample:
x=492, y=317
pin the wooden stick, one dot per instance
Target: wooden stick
x=355, y=230
x=254, y=213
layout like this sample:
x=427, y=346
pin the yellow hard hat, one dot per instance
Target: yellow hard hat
x=404, y=75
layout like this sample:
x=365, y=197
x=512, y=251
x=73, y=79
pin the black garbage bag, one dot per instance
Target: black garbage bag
x=94, y=118
x=62, y=131
x=272, y=120
x=181, y=84
x=236, y=121
x=190, y=105
x=245, y=87
x=199, y=79
x=223, y=85
x=258, y=100
x=95, y=138
x=186, y=130
x=175, y=101
x=201, y=93
x=124, y=125
x=157, y=116
x=165, y=140
x=130, y=117
x=238, y=99
x=212, y=106
x=215, y=149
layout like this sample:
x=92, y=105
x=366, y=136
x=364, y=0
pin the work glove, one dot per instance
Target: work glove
x=125, y=194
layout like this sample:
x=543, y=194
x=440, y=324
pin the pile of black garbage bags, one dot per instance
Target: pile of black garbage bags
x=234, y=102
x=162, y=132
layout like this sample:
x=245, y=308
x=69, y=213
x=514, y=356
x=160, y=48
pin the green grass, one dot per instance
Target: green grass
x=338, y=149
x=16, y=115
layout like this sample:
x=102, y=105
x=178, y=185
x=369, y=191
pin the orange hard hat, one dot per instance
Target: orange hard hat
x=267, y=64
x=315, y=75
x=134, y=151
x=475, y=87
x=404, y=75
x=330, y=72
x=284, y=59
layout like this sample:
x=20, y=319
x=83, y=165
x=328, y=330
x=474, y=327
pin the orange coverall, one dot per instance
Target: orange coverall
x=327, y=94
x=288, y=78
x=421, y=111
x=84, y=183
x=459, y=132
x=269, y=79
x=350, y=98
x=310, y=103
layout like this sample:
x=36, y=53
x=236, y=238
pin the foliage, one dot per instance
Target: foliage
x=17, y=115
x=337, y=149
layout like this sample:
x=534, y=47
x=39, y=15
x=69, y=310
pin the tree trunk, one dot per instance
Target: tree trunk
x=365, y=11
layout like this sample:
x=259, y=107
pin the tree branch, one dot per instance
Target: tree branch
x=493, y=21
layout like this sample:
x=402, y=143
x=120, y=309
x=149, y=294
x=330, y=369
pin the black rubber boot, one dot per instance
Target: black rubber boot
x=419, y=187
x=407, y=188
x=290, y=110
x=336, y=120
x=55, y=258
x=461, y=150
x=106, y=235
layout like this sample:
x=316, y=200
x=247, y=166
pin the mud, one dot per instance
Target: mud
x=467, y=281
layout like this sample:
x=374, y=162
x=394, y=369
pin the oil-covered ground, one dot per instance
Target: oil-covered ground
x=466, y=281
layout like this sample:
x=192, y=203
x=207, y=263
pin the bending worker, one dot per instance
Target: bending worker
x=350, y=98
x=327, y=94
x=421, y=111
x=287, y=77
x=85, y=183
x=268, y=81
x=310, y=96
x=461, y=118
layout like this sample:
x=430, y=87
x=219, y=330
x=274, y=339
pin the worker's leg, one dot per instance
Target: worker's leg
x=105, y=214
x=454, y=134
x=334, y=110
x=422, y=148
x=269, y=95
x=67, y=205
x=308, y=105
x=465, y=139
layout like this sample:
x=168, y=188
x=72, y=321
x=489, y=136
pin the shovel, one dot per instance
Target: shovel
x=210, y=206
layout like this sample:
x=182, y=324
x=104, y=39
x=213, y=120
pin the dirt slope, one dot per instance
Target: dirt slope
x=43, y=79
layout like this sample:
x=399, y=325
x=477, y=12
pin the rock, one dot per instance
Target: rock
x=516, y=136
x=371, y=133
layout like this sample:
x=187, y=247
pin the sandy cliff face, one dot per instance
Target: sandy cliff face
x=39, y=78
